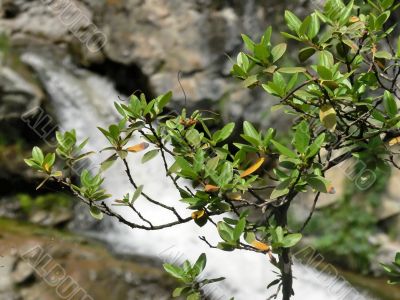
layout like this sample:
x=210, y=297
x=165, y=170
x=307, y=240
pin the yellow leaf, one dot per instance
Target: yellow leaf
x=327, y=115
x=354, y=19
x=260, y=246
x=138, y=147
x=209, y=188
x=47, y=168
x=198, y=214
x=253, y=168
x=394, y=141
x=234, y=196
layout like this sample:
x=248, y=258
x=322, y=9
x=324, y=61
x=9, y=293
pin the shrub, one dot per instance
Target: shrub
x=343, y=98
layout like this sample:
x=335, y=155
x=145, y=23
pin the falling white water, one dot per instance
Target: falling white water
x=83, y=100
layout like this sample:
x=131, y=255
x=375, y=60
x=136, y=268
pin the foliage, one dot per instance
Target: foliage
x=393, y=270
x=343, y=96
x=50, y=202
x=344, y=236
x=188, y=275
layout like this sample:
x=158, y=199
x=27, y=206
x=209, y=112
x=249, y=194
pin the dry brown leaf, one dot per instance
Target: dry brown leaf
x=253, y=168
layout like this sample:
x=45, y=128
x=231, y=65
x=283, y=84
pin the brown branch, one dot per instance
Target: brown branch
x=311, y=212
x=170, y=208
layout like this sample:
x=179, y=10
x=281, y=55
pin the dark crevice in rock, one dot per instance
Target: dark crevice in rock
x=128, y=79
x=10, y=10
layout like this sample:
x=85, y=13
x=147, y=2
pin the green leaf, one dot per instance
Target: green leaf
x=383, y=54
x=292, y=70
x=302, y=137
x=284, y=150
x=200, y=264
x=382, y=20
x=249, y=237
x=292, y=21
x=33, y=164
x=318, y=183
x=250, y=130
x=315, y=146
x=174, y=271
x=281, y=190
x=96, y=213
x=37, y=155
x=397, y=259
x=226, y=174
x=261, y=52
x=292, y=82
x=279, y=234
x=137, y=193
x=108, y=162
x=306, y=53
x=390, y=104
x=266, y=38
x=314, y=26
x=238, y=71
x=239, y=228
x=325, y=58
x=248, y=42
x=290, y=36
x=50, y=159
x=193, y=137
x=291, y=239
x=250, y=81
x=226, y=232
x=149, y=155
x=179, y=291
x=324, y=73
x=226, y=246
x=224, y=133
x=162, y=101
x=304, y=26
x=274, y=89
x=278, y=51
x=194, y=296
x=345, y=13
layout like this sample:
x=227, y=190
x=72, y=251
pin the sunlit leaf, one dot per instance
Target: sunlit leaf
x=96, y=213
x=260, y=246
x=236, y=196
x=253, y=168
x=198, y=214
x=292, y=21
x=138, y=147
x=209, y=188
x=278, y=51
x=327, y=115
x=394, y=141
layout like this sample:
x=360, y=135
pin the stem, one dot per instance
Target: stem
x=285, y=260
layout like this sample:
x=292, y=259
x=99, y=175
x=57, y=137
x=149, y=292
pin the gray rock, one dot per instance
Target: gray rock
x=6, y=266
x=17, y=96
x=160, y=37
x=22, y=273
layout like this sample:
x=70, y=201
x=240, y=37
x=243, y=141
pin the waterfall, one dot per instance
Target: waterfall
x=83, y=100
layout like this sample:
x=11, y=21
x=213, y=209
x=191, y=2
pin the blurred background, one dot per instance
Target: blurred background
x=63, y=64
